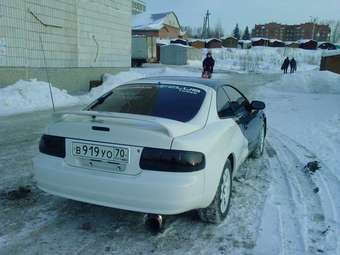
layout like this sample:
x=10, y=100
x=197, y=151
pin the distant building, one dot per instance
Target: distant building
x=258, y=41
x=230, y=42
x=162, y=25
x=276, y=43
x=138, y=6
x=198, y=44
x=330, y=61
x=293, y=32
x=214, y=43
x=308, y=44
x=326, y=46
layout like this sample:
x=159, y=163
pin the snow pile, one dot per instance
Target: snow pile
x=112, y=81
x=32, y=95
x=324, y=82
x=27, y=96
x=262, y=59
x=146, y=21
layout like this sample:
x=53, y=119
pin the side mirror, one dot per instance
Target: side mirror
x=257, y=105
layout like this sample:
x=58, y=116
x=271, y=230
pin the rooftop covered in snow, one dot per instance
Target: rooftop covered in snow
x=156, y=21
x=331, y=53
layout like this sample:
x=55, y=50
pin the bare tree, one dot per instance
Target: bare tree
x=218, y=31
x=335, y=29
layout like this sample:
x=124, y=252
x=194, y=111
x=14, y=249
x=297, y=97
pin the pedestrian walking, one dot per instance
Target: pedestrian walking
x=292, y=65
x=208, y=66
x=285, y=65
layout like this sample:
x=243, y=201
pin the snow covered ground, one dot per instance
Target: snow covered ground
x=262, y=59
x=302, y=210
x=278, y=206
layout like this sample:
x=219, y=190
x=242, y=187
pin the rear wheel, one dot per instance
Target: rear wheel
x=219, y=207
x=258, y=152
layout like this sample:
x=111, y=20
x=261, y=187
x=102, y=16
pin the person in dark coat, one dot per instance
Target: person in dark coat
x=292, y=65
x=208, y=66
x=285, y=65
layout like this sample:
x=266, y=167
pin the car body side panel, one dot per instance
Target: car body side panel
x=250, y=125
x=218, y=139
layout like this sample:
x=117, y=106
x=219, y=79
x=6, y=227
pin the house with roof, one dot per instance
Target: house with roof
x=276, y=43
x=259, y=41
x=308, y=44
x=162, y=25
x=326, y=46
x=330, y=61
x=230, y=42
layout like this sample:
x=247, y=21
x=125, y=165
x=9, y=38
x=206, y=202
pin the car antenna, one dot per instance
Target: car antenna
x=46, y=70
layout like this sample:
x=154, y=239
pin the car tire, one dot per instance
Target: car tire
x=219, y=207
x=258, y=152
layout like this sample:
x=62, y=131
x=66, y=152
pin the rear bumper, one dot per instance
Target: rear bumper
x=148, y=192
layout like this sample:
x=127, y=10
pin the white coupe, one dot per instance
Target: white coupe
x=162, y=145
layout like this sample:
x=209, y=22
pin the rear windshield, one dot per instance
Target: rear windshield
x=179, y=103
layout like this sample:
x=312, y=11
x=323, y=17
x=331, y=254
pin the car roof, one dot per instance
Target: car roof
x=212, y=83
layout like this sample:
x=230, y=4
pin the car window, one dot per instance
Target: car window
x=180, y=103
x=222, y=103
x=237, y=102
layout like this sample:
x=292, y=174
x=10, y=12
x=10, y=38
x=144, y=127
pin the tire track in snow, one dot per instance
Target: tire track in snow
x=285, y=196
x=326, y=181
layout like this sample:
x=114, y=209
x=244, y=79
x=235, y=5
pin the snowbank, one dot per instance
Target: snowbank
x=32, y=95
x=112, y=81
x=262, y=59
x=316, y=82
x=27, y=96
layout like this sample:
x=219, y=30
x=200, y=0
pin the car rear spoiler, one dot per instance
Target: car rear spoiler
x=151, y=122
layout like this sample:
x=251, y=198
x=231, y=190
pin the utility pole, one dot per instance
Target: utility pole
x=314, y=21
x=206, y=26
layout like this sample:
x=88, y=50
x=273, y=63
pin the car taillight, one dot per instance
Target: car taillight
x=52, y=145
x=171, y=160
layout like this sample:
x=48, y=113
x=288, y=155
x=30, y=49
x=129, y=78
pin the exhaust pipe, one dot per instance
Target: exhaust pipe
x=154, y=222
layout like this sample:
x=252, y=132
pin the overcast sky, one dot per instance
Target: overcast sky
x=247, y=12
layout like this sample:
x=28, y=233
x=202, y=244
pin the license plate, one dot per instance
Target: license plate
x=101, y=152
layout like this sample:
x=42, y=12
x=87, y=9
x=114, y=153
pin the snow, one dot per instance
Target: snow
x=305, y=40
x=229, y=37
x=304, y=124
x=33, y=95
x=163, y=41
x=329, y=53
x=146, y=21
x=275, y=40
x=256, y=39
x=261, y=59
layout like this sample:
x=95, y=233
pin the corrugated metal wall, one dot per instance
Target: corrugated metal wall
x=178, y=55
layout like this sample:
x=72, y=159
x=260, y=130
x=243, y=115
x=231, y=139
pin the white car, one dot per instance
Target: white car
x=162, y=145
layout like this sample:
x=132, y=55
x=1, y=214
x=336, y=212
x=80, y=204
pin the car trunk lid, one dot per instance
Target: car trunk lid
x=94, y=131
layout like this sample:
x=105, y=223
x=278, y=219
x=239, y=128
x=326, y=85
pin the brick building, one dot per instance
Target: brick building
x=82, y=39
x=293, y=32
x=161, y=25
